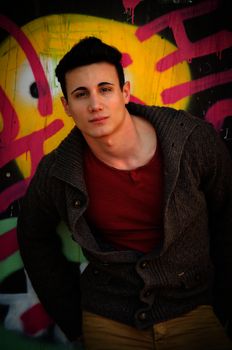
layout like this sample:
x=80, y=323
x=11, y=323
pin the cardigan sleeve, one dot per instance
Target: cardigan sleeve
x=54, y=278
x=217, y=186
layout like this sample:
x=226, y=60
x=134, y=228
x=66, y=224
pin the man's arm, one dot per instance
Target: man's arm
x=217, y=186
x=54, y=278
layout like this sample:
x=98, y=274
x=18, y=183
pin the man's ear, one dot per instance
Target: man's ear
x=126, y=92
x=65, y=105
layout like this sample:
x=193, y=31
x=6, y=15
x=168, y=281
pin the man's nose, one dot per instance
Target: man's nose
x=95, y=103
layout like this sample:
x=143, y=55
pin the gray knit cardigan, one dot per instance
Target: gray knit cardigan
x=192, y=266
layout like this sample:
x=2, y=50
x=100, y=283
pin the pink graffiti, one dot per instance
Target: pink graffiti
x=219, y=110
x=11, y=122
x=136, y=100
x=178, y=92
x=186, y=49
x=8, y=244
x=45, y=98
x=129, y=6
x=168, y=20
x=35, y=320
x=126, y=60
x=12, y=148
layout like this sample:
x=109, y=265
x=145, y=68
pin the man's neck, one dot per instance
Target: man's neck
x=129, y=148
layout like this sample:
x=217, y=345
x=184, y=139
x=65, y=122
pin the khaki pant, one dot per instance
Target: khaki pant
x=197, y=330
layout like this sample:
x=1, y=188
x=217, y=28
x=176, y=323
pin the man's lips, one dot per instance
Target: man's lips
x=98, y=119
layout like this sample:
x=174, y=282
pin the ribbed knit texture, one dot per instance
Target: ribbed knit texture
x=169, y=281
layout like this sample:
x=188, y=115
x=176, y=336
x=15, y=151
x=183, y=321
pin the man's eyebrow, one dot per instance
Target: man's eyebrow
x=78, y=88
x=85, y=88
x=105, y=83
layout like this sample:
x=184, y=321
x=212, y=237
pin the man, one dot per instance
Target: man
x=147, y=194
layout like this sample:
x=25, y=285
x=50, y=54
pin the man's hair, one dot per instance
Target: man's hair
x=87, y=51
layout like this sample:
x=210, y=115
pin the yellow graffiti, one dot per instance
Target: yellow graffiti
x=52, y=36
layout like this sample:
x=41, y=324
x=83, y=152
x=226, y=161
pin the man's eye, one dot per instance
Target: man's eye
x=81, y=94
x=106, y=89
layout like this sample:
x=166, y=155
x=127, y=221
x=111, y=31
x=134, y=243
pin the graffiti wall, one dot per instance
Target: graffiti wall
x=175, y=53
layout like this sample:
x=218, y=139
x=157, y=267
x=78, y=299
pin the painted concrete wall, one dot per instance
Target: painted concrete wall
x=175, y=53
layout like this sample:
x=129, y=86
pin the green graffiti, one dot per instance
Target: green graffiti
x=7, y=225
x=70, y=248
x=10, y=265
x=14, y=262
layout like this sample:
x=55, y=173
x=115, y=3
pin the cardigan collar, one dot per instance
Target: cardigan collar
x=173, y=127
x=69, y=159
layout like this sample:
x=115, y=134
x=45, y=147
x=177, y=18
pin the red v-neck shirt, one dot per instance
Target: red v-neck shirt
x=126, y=206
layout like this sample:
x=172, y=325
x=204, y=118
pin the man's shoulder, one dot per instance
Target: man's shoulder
x=165, y=113
x=45, y=165
x=49, y=159
x=189, y=119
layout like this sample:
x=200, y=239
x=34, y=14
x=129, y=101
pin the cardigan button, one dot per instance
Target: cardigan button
x=144, y=264
x=148, y=293
x=142, y=316
x=77, y=203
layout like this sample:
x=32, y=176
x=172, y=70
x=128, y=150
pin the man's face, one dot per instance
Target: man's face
x=95, y=100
